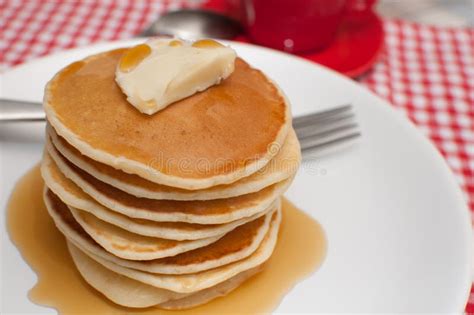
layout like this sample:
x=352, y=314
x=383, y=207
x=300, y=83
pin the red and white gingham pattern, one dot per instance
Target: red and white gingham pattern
x=426, y=72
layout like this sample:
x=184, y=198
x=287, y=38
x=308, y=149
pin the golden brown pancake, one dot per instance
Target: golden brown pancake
x=209, y=294
x=169, y=230
x=119, y=289
x=131, y=293
x=69, y=193
x=237, y=244
x=119, y=242
x=282, y=166
x=187, y=283
x=203, y=212
x=213, y=137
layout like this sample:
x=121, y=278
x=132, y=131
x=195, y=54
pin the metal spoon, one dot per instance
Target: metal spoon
x=191, y=24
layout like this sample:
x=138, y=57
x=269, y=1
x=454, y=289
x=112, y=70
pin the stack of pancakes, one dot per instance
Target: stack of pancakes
x=173, y=209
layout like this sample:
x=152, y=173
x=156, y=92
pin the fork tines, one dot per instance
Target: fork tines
x=326, y=128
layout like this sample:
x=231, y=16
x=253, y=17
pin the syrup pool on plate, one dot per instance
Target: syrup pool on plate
x=297, y=255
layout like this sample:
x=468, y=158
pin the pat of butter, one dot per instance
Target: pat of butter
x=160, y=72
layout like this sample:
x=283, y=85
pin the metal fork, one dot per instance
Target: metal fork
x=317, y=131
x=326, y=129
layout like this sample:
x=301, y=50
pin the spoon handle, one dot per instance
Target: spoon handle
x=12, y=110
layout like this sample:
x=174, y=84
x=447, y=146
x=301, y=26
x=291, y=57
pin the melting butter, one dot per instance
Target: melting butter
x=162, y=71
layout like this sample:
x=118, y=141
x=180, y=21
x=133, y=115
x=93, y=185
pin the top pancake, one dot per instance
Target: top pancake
x=217, y=136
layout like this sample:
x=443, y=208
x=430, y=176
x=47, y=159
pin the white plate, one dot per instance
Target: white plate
x=397, y=224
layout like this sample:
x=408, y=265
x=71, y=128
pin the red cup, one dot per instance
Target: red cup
x=298, y=25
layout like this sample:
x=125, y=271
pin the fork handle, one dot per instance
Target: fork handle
x=12, y=110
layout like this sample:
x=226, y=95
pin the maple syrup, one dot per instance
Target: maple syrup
x=132, y=57
x=297, y=255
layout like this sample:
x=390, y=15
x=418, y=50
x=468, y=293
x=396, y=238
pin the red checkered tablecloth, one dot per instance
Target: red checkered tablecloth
x=426, y=72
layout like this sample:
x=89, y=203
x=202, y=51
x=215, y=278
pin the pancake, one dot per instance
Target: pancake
x=217, y=136
x=236, y=245
x=202, y=212
x=131, y=293
x=132, y=246
x=169, y=230
x=117, y=288
x=189, y=283
x=75, y=197
x=211, y=293
x=281, y=167
x=127, y=245
x=117, y=241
